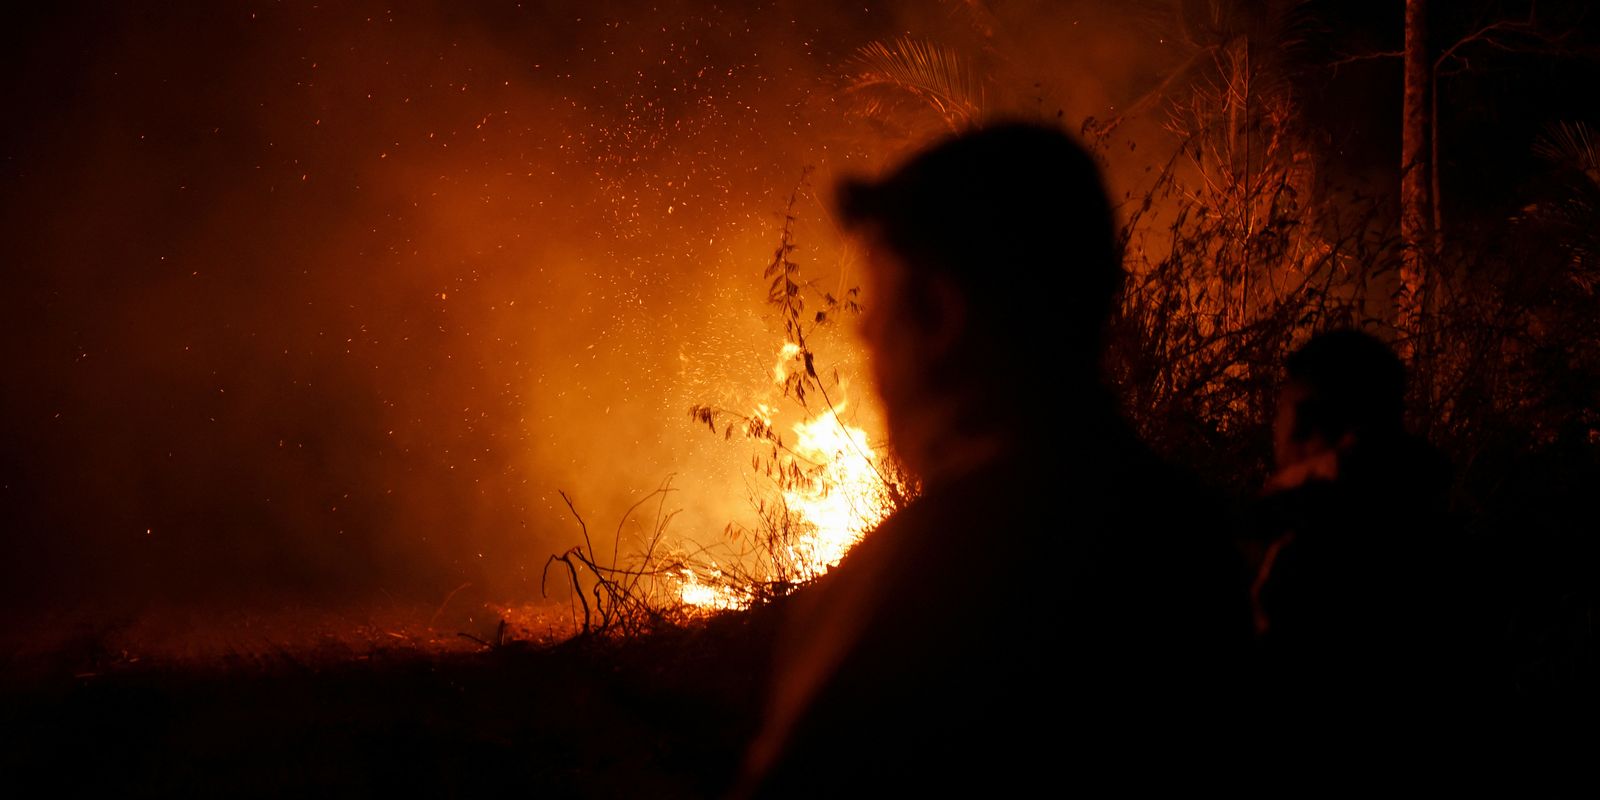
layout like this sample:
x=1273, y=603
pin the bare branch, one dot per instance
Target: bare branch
x=1506, y=35
x=1358, y=57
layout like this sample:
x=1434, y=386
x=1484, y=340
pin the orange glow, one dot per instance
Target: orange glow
x=844, y=500
x=705, y=596
x=834, y=494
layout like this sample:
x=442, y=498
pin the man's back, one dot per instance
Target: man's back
x=1072, y=605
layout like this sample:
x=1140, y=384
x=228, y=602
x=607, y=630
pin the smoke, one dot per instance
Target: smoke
x=329, y=301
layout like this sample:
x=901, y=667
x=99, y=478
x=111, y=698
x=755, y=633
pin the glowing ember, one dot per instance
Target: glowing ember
x=780, y=371
x=701, y=595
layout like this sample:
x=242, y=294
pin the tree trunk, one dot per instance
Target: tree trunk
x=1416, y=215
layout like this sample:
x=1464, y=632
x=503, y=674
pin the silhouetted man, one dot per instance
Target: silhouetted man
x=1057, y=605
x=1351, y=599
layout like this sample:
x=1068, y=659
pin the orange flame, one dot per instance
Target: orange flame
x=846, y=498
x=841, y=498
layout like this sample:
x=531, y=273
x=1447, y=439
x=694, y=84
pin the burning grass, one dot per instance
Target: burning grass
x=819, y=490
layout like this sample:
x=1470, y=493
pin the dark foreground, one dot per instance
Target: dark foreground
x=659, y=716
x=400, y=705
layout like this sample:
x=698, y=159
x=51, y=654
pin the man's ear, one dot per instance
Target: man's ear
x=1347, y=442
x=947, y=314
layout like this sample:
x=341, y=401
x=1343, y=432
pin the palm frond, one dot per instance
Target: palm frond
x=1571, y=145
x=933, y=75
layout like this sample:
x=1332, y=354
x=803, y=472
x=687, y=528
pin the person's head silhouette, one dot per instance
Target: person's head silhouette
x=1345, y=388
x=994, y=266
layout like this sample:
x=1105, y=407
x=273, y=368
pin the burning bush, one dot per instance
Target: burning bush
x=818, y=489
